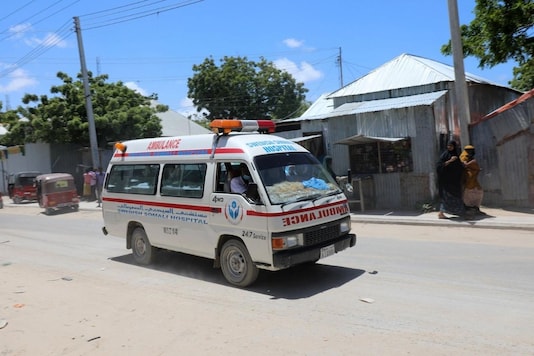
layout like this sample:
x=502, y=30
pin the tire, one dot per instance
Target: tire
x=17, y=200
x=142, y=250
x=236, y=264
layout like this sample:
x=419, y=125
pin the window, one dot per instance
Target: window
x=225, y=172
x=381, y=157
x=133, y=179
x=183, y=180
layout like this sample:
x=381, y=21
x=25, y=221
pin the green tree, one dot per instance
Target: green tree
x=501, y=31
x=245, y=89
x=120, y=113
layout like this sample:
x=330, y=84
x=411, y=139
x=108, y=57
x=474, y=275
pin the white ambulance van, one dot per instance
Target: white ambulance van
x=175, y=193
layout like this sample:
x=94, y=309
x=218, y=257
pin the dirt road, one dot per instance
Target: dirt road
x=65, y=289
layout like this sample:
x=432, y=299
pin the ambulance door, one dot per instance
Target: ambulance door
x=233, y=214
x=185, y=191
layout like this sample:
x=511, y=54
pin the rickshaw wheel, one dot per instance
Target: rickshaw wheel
x=16, y=200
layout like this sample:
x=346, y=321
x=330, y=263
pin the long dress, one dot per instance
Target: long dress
x=473, y=192
x=450, y=183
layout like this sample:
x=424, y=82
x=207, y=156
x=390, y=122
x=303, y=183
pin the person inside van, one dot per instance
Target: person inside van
x=239, y=183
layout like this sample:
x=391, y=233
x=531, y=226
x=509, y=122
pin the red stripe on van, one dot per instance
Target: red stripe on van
x=216, y=210
x=165, y=205
x=200, y=151
x=298, y=211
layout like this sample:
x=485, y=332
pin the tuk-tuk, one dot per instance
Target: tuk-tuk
x=56, y=191
x=21, y=186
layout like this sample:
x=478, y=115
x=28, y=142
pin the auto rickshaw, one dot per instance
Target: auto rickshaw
x=56, y=191
x=21, y=186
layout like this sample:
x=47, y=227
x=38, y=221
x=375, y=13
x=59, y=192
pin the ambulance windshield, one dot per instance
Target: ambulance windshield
x=292, y=177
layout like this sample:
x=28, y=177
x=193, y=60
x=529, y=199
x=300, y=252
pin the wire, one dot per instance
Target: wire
x=138, y=15
x=39, y=21
x=16, y=10
x=62, y=33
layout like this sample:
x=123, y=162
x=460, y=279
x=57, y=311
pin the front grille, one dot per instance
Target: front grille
x=321, y=234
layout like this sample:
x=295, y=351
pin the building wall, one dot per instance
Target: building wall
x=36, y=157
x=429, y=127
x=51, y=158
x=504, y=146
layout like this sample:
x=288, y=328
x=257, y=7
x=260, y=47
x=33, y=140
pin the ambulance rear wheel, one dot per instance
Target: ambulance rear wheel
x=142, y=250
x=236, y=264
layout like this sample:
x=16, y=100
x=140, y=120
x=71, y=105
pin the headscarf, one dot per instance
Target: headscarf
x=467, y=154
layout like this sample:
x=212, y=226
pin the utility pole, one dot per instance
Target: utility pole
x=340, y=63
x=87, y=94
x=460, y=85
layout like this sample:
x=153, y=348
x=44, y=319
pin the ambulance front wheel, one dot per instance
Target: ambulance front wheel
x=141, y=248
x=236, y=264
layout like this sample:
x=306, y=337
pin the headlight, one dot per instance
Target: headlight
x=344, y=227
x=283, y=242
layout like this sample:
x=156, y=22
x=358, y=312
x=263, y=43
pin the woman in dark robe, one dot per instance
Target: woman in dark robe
x=450, y=172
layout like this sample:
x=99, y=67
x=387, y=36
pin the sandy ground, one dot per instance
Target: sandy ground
x=67, y=290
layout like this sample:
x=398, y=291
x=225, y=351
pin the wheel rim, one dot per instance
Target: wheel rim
x=139, y=246
x=237, y=266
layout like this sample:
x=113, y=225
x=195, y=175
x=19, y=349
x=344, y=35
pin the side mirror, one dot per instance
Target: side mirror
x=252, y=192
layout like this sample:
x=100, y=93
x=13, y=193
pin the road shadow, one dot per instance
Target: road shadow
x=298, y=282
x=471, y=217
x=529, y=211
x=59, y=211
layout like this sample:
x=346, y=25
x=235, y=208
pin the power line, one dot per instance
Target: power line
x=62, y=33
x=40, y=12
x=16, y=10
x=136, y=15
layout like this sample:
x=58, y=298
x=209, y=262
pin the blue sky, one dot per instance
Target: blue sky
x=152, y=45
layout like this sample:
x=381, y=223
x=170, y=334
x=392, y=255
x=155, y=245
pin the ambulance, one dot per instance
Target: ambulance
x=175, y=193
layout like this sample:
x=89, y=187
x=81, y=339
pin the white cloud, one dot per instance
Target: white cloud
x=304, y=73
x=134, y=86
x=18, y=31
x=188, y=109
x=17, y=80
x=50, y=40
x=293, y=43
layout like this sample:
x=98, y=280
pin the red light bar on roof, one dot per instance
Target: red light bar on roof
x=227, y=126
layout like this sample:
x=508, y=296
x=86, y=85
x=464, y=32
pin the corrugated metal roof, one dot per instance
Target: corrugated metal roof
x=321, y=105
x=358, y=139
x=376, y=105
x=507, y=106
x=404, y=71
x=305, y=138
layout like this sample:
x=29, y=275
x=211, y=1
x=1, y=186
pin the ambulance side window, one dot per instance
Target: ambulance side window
x=133, y=179
x=225, y=172
x=183, y=180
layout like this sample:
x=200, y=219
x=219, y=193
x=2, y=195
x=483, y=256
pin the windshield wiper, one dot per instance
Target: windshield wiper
x=335, y=192
x=311, y=198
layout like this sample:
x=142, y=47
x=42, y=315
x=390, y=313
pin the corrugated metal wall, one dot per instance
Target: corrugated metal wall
x=504, y=147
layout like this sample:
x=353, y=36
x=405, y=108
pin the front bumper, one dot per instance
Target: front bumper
x=288, y=258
